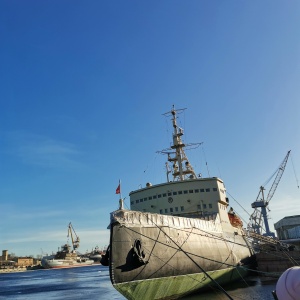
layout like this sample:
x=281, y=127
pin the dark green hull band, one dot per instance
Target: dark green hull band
x=177, y=286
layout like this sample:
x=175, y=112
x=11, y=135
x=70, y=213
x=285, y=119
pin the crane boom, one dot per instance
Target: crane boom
x=75, y=241
x=278, y=177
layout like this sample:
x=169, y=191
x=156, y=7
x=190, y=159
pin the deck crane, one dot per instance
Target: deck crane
x=75, y=238
x=261, y=204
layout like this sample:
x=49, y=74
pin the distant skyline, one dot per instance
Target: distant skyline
x=84, y=84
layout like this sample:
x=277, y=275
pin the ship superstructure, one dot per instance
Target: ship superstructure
x=187, y=193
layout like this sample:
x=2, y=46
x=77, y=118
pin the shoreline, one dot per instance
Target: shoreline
x=12, y=270
x=34, y=268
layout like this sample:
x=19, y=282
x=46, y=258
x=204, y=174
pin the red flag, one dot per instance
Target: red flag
x=118, y=190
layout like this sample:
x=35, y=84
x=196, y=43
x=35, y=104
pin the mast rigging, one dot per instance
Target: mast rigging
x=181, y=168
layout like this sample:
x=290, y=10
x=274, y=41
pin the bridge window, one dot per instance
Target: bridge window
x=150, y=198
x=154, y=197
x=207, y=190
x=159, y=196
x=171, y=209
x=191, y=191
x=182, y=208
x=179, y=192
x=164, y=195
x=174, y=193
x=215, y=189
x=202, y=190
x=210, y=205
x=185, y=192
x=176, y=208
x=166, y=210
x=196, y=190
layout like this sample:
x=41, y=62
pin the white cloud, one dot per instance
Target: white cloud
x=50, y=241
x=57, y=236
x=43, y=151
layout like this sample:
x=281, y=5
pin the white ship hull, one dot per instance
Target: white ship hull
x=52, y=263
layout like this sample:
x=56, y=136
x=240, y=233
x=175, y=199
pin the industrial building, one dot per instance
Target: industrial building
x=288, y=230
x=8, y=262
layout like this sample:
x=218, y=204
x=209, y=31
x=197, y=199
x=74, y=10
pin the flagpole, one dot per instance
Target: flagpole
x=118, y=191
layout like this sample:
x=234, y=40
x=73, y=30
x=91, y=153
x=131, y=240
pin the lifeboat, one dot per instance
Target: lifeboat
x=235, y=221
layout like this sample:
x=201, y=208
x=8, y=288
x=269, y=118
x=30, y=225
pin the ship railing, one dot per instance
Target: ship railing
x=199, y=215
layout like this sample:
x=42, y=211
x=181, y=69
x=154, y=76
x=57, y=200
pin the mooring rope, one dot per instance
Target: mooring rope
x=179, y=248
x=188, y=255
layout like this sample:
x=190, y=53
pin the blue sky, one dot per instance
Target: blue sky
x=84, y=84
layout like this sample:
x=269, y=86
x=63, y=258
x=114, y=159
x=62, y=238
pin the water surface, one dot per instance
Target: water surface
x=92, y=283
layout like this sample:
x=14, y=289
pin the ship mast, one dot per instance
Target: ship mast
x=181, y=168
